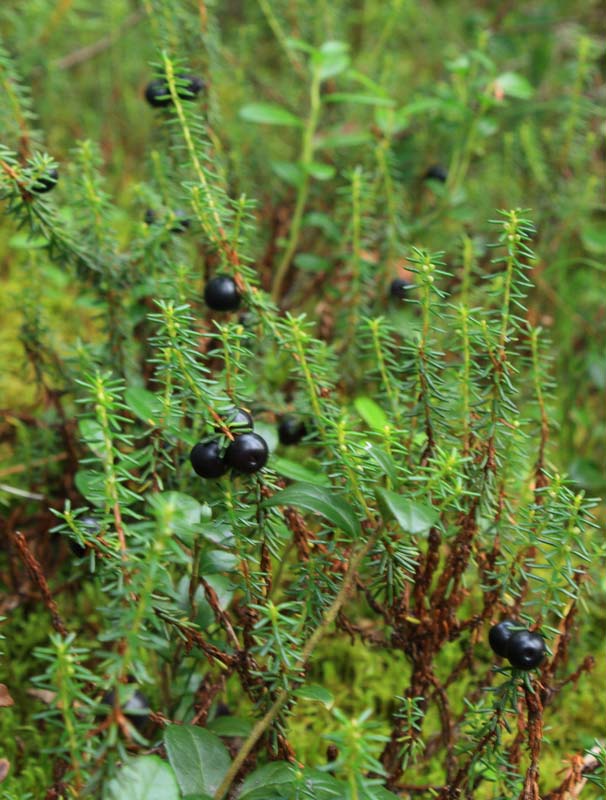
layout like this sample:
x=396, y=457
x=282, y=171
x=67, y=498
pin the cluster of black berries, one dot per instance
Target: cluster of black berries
x=157, y=92
x=247, y=452
x=523, y=649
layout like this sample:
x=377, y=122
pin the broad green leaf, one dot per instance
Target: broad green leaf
x=321, y=172
x=198, y=757
x=274, y=773
x=290, y=173
x=593, y=236
x=384, y=460
x=372, y=413
x=144, y=404
x=282, y=780
x=316, y=219
x=514, y=85
x=144, y=778
x=91, y=485
x=197, y=797
x=377, y=792
x=269, y=114
x=317, y=693
x=297, y=472
x=25, y=241
x=331, y=59
x=215, y=561
x=230, y=726
x=413, y=517
x=92, y=434
x=269, y=433
x=179, y=512
x=339, y=137
x=320, y=501
x=360, y=99
x=310, y=262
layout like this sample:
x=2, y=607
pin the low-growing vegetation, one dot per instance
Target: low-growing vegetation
x=303, y=435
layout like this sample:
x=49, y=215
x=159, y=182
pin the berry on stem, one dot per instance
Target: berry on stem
x=135, y=709
x=181, y=222
x=238, y=420
x=45, y=183
x=157, y=92
x=499, y=636
x=526, y=650
x=247, y=453
x=206, y=459
x=399, y=288
x=436, y=173
x=291, y=430
x=221, y=293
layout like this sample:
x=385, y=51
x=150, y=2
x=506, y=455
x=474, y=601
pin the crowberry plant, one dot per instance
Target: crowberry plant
x=397, y=606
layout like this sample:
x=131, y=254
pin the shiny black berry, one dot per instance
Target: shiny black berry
x=238, y=420
x=206, y=459
x=157, y=92
x=221, y=293
x=436, y=173
x=45, y=183
x=291, y=430
x=247, y=453
x=526, y=650
x=135, y=709
x=499, y=636
x=398, y=288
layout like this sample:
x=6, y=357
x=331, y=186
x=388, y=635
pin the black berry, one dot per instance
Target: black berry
x=399, y=288
x=45, y=183
x=206, y=459
x=135, y=709
x=499, y=636
x=221, y=294
x=291, y=430
x=526, y=650
x=149, y=217
x=247, y=453
x=436, y=173
x=92, y=527
x=237, y=420
x=157, y=92
x=180, y=223
x=222, y=710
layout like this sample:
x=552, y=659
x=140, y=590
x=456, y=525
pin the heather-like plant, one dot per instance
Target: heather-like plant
x=416, y=507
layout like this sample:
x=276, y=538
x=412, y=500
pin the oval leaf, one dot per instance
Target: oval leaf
x=199, y=758
x=144, y=778
x=372, y=414
x=269, y=114
x=144, y=404
x=297, y=472
x=320, y=501
x=316, y=693
x=411, y=516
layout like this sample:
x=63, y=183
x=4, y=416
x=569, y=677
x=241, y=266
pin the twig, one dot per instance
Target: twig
x=91, y=50
x=35, y=571
x=284, y=695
